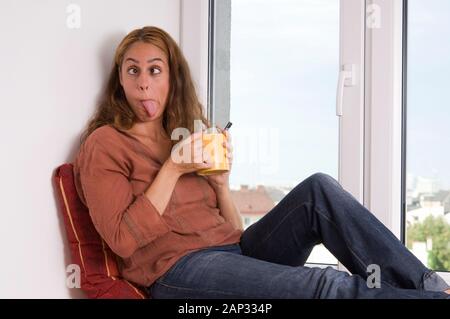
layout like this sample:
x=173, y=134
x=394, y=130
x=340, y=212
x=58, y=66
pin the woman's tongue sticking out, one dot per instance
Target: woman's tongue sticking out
x=150, y=107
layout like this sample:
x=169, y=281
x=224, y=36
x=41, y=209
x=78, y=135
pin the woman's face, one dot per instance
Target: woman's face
x=144, y=76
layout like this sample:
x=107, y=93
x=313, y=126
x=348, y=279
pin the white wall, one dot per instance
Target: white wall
x=50, y=79
x=194, y=43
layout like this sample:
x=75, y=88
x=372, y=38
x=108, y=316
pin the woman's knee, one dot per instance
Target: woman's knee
x=319, y=180
x=322, y=178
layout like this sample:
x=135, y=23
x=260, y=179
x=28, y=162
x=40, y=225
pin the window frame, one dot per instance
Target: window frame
x=351, y=122
x=383, y=114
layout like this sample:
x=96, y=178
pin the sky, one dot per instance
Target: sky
x=284, y=69
x=284, y=63
x=428, y=138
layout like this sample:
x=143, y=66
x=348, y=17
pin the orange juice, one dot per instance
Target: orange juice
x=212, y=144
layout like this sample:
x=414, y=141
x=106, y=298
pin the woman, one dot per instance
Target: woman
x=180, y=235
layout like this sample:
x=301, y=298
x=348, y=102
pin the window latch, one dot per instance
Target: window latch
x=347, y=78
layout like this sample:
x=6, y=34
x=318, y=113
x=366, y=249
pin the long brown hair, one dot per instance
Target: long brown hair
x=183, y=106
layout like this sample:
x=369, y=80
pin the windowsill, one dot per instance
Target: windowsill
x=445, y=276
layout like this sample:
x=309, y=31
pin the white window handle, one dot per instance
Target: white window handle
x=347, y=78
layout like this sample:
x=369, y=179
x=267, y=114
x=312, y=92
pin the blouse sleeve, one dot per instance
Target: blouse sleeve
x=124, y=220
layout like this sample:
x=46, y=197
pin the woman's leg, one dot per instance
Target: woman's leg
x=223, y=272
x=319, y=210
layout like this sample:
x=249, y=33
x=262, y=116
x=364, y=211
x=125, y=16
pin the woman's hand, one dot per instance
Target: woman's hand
x=195, y=161
x=221, y=181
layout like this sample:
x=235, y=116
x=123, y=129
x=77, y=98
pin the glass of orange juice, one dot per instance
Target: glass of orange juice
x=212, y=141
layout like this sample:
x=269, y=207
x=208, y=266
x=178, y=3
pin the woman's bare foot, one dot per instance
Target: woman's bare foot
x=447, y=291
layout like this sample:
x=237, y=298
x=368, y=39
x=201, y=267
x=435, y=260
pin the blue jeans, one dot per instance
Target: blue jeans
x=268, y=262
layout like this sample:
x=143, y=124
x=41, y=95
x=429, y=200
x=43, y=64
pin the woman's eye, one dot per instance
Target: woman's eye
x=155, y=70
x=132, y=71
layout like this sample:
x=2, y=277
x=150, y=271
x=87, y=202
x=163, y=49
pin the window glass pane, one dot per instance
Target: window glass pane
x=284, y=68
x=428, y=138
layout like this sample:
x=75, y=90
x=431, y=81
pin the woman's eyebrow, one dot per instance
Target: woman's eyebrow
x=148, y=61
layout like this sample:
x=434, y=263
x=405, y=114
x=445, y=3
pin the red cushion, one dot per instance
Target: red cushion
x=100, y=277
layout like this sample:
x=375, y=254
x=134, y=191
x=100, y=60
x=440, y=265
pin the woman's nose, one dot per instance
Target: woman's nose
x=143, y=87
x=143, y=84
